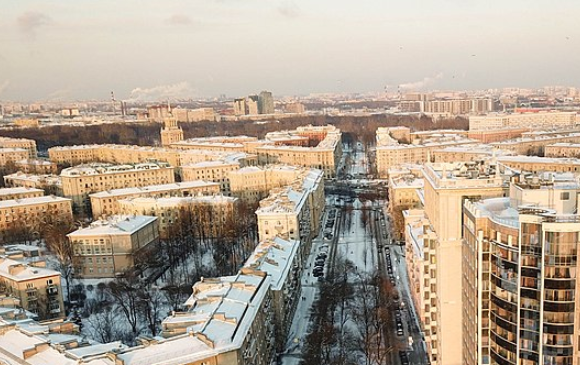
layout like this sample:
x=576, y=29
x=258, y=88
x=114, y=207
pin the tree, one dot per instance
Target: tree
x=126, y=295
x=150, y=306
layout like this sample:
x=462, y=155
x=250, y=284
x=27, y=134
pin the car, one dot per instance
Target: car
x=319, y=263
x=399, y=332
x=404, y=358
x=317, y=274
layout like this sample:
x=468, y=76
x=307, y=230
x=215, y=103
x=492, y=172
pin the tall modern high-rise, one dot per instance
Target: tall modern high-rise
x=447, y=186
x=520, y=265
x=253, y=103
x=266, y=103
x=240, y=106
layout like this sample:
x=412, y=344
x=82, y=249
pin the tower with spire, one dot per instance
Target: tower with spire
x=171, y=131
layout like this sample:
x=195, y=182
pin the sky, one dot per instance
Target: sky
x=146, y=50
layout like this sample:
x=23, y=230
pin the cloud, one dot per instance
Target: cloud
x=30, y=21
x=289, y=9
x=427, y=81
x=178, y=19
x=4, y=86
x=181, y=90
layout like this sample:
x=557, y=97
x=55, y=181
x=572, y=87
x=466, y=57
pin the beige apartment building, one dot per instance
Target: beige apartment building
x=50, y=183
x=537, y=120
x=20, y=193
x=171, y=132
x=38, y=289
x=193, y=115
x=468, y=153
x=26, y=123
x=519, y=274
x=210, y=213
x=496, y=135
x=36, y=166
x=108, y=248
x=535, y=144
x=105, y=203
x=252, y=183
x=27, y=144
x=215, y=171
x=446, y=186
x=324, y=156
x=421, y=259
x=12, y=155
x=404, y=192
x=80, y=181
x=562, y=150
x=31, y=213
x=228, y=320
x=281, y=261
x=120, y=154
x=539, y=164
x=394, y=155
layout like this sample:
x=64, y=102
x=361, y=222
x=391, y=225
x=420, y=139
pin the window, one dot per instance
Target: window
x=565, y=196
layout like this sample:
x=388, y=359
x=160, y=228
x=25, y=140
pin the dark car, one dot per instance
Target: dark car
x=404, y=358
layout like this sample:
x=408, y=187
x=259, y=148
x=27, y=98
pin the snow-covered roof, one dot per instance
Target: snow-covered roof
x=105, y=168
x=114, y=225
x=32, y=201
x=19, y=190
x=275, y=258
x=156, y=188
x=18, y=271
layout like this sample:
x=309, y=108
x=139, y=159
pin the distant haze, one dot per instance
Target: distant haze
x=144, y=49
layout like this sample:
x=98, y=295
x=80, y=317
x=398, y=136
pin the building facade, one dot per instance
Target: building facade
x=108, y=248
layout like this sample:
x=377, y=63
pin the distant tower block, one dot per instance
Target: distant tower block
x=171, y=132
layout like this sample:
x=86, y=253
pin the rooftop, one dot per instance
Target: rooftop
x=114, y=225
x=32, y=201
x=155, y=188
x=105, y=168
x=274, y=257
x=18, y=271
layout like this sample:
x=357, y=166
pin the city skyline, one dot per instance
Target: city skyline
x=150, y=50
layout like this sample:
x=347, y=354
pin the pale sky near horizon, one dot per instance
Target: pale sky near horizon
x=146, y=49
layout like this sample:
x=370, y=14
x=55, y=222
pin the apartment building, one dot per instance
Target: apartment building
x=446, y=186
x=390, y=153
x=210, y=214
x=31, y=213
x=519, y=274
x=113, y=246
x=20, y=193
x=281, y=261
x=448, y=106
x=12, y=155
x=194, y=115
x=171, y=132
x=539, y=164
x=537, y=120
x=404, y=192
x=228, y=320
x=286, y=213
x=36, y=166
x=105, y=203
x=468, y=153
x=421, y=259
x=534, y=144
x=48, y=182
x=496, y=135
x=252, y=183
x=562, y=150
x=215, y=171
x=80, y=181
x=38, y=289
x=16, y=143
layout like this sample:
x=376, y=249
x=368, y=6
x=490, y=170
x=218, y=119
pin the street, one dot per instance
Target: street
x=357, y=232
